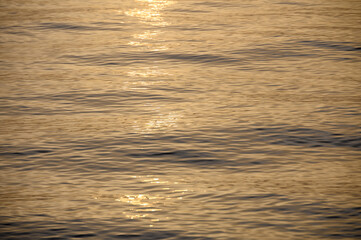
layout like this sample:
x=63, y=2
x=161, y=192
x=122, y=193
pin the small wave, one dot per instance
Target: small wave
x=338, y=46
x=64, y=26
x=307, y=137
x=246, y=57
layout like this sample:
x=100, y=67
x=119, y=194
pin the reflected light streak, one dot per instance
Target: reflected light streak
x=148, y=16
x=158, y=123
x=146, y=206
x=146, y=202
x=152, y=14
x=148, y=72
x=145, y=77
x=147, y=35
x=143, y=39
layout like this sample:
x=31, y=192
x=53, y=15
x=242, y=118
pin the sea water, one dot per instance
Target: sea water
x=180, y=119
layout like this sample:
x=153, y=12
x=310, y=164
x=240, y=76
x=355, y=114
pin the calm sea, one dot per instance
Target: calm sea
x=180, y=119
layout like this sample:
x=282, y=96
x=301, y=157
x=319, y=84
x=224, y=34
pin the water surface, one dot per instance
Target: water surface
x=188, y=119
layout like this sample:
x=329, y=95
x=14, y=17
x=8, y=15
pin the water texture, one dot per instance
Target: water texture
x=183, y=119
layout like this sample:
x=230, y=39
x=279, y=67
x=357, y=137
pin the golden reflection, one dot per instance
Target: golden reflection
x=135, y=199
x=141, y=205
x=152, y=14
x=135, y=216
x=148, y=72
x=147, y=15
x=143, y=77
x=158, y=122
x=146, y=35
x=145, y=205
x=148, y=40
x=155, y=180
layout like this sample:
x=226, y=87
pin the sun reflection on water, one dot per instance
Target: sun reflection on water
x=141, y=79
x=147, y=72
x=152, y=14
x=148, y=206
x=157, y=123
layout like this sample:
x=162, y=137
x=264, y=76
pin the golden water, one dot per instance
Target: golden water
x=184, y=119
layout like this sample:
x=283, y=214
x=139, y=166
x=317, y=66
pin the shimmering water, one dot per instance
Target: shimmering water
x=183, y=119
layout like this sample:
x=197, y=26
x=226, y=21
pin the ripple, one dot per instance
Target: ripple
x=308, y=137
x=77, y=28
